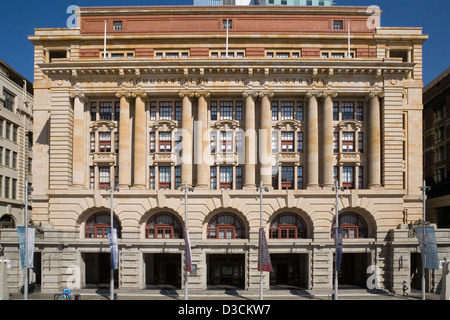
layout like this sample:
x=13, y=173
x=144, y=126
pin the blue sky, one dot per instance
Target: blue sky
x=20, y=17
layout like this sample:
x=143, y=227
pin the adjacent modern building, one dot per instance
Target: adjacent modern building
x=282, y=99
x=16, y=136
x=436, y=98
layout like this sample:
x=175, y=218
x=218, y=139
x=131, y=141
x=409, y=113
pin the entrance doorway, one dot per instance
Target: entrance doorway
x=353, y=269
x=289, y=270
x=98, y=270
x=226, y=270
x=416, y=271
x=163, y=269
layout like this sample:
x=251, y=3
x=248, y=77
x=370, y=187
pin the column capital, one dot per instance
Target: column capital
x=326, y=94
x=80, y=95
x=204, y=94
x=269, y=93
x=249, y=93
x=141, y=94
x=125, y=94
x=187, y=93
x=312, y=93
x=376, y=94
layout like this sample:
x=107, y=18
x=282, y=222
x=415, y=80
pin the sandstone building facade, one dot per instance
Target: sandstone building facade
x=285, y=100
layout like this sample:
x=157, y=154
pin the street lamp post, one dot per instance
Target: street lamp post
x=424, y=188
x=186, y=189
x=111, y=205
x=261, y=189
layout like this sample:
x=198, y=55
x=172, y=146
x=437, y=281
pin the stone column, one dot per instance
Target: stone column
x=124, y=140
x=187, y=137
x=374, y=140
x=250, y=140
x=312, y=142
x=79, y=137
x=140, y=134
x=327, y=140
x=201, y=141
x=265, y=139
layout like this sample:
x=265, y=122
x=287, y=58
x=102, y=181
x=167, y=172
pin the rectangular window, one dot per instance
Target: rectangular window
x=300, y=142
x=14, y=134
x=359, y=111
x=177, y=177
x=275, y=177
x=164, y=178
x=213, y=178
x=226, y=110
x=93, y=111
x=226, y=141
x=1, y=186
x=117, y=25
x=105, y=177
x=338, y=55
x=239, y=139
x=7, y=157
x=239, y=110
x=347, y=177
x=9, y=100
x=116, y=175
x=1, y=127
x=8, y=130
x=152, y=142
x=287, y=110
x=299, y=178
x=14, y=189
x=92, y=142
x=360, y=142
x=165, y=142
x=335, y=142
x=226, y=178
x=238, y=178
x=153, y=111
x=178, y=110
x=335, y=111
x=287, y=178
x=7, y=186
x=116, y=144
x=106, y=110
x=213, y=141
x=30, y=165
x=348, y=110
x=92, y=177
x=165, y=110
x=105, y=141
x=348, y=141
x=227, y=24
x=338, y=25
x=14, y=160
x=117, y=111
x=336, y=173
x=152, y=178
x=274, y=111
x=287, y=141
x=213, y=111
x=275, y=141
x=300, y=111
x=1, y=155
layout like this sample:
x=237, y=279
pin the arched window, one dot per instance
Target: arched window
x=97, y=224
x=287, y=226
x=353, y=225
x=225, y=226
x=7, y=222
x=163, y=226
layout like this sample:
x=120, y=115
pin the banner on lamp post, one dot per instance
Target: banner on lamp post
x=112, y=236
x=187, y=244
x=30, y=249
x=264, y=262
x=338, y=242
x=428, y=247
